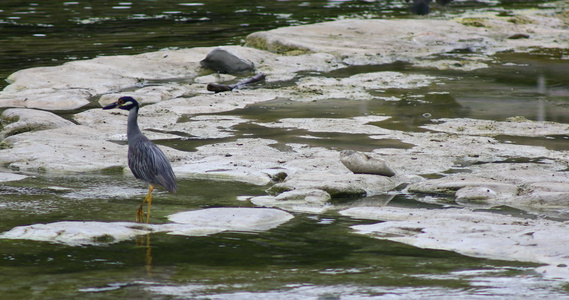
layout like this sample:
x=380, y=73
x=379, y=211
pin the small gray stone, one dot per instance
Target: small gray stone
x=361, y=163
x=224, y=61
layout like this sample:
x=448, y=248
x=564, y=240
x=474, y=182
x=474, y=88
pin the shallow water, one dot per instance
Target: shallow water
x=312, y=256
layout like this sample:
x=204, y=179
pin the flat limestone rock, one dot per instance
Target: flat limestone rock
x=233, y=219
x=5, y=177
x=62, y=150
x=477, y=234
x=355, y=41
x=312, y=201
x=193, y=223
x=45, y=98
x=76, y=233
x=308, y=195
x=357, y=125
x=71, y=85
x=355, y=87
x=19, y=120
x=337, y=185
x=298, y=205
x=524, y=186
x=512, y=127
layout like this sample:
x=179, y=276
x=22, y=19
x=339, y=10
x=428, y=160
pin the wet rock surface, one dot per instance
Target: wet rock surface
x=486, y=170
x=477, y=234
x=192, y=223
x=18, y=120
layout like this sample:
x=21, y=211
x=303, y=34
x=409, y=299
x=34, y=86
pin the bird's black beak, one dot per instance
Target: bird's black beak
x=111, y=106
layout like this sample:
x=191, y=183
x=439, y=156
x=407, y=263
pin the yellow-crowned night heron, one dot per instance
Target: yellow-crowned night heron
x=145, y=159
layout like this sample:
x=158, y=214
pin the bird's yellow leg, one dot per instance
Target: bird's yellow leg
x=149, y=200
x=140, y=213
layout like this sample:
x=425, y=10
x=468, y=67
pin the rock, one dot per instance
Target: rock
x=309, y=196
x=532, y=186
x=298, y=205
x=45, y=98
x=404, y=39
x=232, y=161
x=5, y=177
x=316, y=201
x=225, y=61
x=475, y=194
x=77, y=233
x=193, y=223
x=18, y=120
x=514, y=126
x=357, y=125
x=355, y=87
x=71, y=85
x=361, y=163
x=477, y=234
x=66, y=149
x=452, y=184
x=233, y=219
x=337, y=185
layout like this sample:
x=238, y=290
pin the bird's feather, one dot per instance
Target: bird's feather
x=148, y=162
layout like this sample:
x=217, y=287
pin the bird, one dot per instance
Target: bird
x=145, y=160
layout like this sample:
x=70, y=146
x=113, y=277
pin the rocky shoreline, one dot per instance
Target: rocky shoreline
x=171, y=85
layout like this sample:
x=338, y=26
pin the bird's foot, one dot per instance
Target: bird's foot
x=140, y=216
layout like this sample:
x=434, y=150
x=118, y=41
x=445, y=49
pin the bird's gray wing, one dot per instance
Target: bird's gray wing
x=148, y=162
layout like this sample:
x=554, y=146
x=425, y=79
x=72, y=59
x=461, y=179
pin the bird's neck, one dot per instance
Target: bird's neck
x=132, y=128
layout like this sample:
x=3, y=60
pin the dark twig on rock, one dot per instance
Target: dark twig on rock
x=220, y=87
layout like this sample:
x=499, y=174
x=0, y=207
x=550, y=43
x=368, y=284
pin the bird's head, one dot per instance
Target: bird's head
x=126, y=103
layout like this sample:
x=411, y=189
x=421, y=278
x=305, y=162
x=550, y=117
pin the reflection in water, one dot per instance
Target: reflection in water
x=144, y=241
